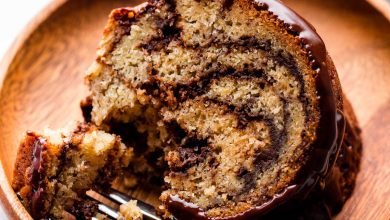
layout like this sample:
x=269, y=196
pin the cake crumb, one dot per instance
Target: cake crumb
x=130, y=211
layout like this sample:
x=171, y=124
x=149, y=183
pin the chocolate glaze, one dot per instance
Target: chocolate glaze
x=37, y=202
x=186, y=210
x=341, y=180
x=326, y=147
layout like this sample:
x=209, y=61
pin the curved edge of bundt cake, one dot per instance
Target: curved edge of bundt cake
x=340, y=181
x=326, y=147
x=338, y=114
x=53, y=170
x=333, y=190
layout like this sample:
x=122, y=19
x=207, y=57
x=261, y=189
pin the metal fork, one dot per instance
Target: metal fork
x=148, y=211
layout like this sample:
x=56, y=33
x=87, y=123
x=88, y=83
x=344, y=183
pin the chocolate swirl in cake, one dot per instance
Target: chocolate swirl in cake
x=251, y=80
x=236, y=101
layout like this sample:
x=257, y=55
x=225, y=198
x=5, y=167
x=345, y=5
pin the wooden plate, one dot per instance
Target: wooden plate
x=41, y=83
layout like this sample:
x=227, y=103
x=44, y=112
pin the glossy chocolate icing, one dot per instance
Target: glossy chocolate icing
x=330, y=131
x=184, y=210
x=37, y=202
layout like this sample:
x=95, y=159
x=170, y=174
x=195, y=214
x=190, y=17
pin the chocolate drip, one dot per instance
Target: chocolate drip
x=185, y=210
x=325, y=148
x=37, y=202
x=327, y=134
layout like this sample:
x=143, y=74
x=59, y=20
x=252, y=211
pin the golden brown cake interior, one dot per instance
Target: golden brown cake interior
x=233, y=91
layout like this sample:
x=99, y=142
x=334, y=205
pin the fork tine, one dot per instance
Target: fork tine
x=147, y=210
x=104, y=209
x=108, y=211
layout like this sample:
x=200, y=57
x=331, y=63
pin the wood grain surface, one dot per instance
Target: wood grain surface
x=41, y=84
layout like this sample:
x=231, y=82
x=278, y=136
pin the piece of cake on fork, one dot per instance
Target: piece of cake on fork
x=54, y=170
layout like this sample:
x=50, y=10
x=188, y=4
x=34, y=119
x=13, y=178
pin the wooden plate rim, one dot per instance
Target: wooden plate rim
x=382, y=6
x=9, y=201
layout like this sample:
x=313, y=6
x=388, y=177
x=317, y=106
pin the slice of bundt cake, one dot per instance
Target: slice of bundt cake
x=236, y=101
x=54, y=170
x=246, y=102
